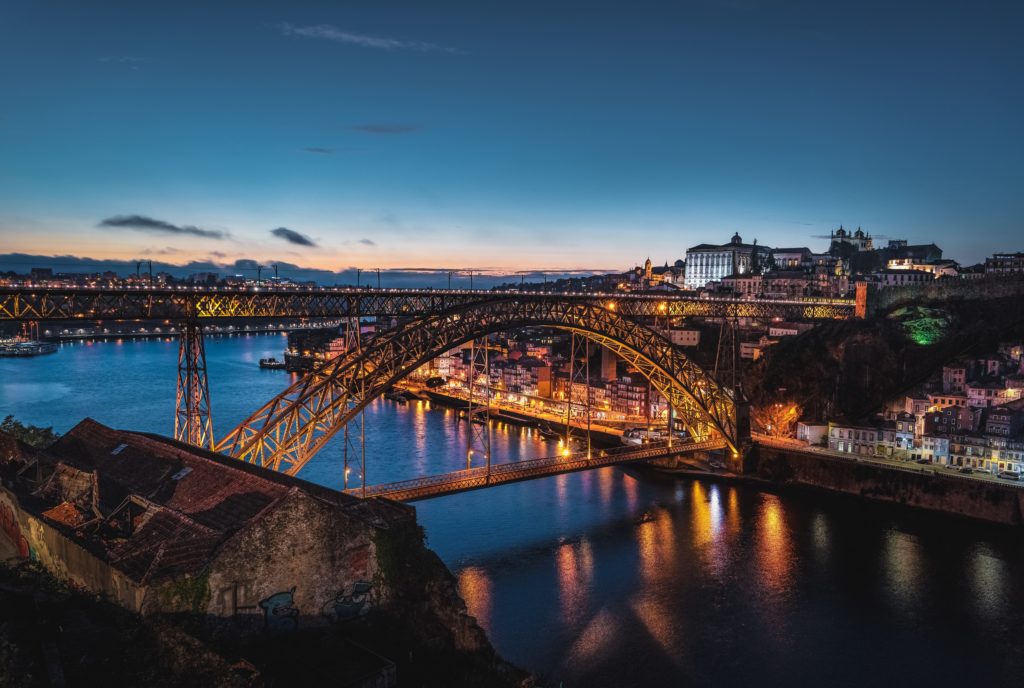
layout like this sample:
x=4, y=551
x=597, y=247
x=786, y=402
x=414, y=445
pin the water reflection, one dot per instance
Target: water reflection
x=774, y=546
x=575, y=564
x=475, y=588
x=901, y=559
x=988, y=576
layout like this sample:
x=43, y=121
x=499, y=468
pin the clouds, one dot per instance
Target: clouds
x=292, y=237
x=333, y=33
x=386, y=129
x=367, y=242
x=143, y=223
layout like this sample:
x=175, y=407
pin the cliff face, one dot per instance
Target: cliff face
x=848, y=369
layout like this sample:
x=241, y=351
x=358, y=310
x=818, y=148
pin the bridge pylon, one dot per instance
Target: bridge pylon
x=478, y=435
x=577, y=412
x=193, y=420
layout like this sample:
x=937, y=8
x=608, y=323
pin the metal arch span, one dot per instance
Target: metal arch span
x=287, y=431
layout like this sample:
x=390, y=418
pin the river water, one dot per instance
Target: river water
x=619, y=578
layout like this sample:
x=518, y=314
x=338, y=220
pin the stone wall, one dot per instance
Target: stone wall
x=38, y=540
x=994, y=287
x=301, y=555
x=927, y=489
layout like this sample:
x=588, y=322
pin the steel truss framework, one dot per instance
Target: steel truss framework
x=287, y=431
x=193, y=422
x=27, y=303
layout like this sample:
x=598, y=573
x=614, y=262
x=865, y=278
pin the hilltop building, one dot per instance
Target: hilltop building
x=711, y=262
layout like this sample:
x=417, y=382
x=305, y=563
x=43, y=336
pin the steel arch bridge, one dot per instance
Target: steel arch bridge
x=288, y=430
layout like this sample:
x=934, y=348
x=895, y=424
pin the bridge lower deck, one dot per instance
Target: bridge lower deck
x=515, y=471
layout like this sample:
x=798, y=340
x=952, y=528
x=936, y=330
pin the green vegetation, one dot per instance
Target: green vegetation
x=849, y=369
x=924, y=326
x=398, y=548
x=187, y=594
x=29, y=434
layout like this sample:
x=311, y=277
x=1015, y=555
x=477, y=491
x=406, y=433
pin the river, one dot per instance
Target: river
x=622, y=578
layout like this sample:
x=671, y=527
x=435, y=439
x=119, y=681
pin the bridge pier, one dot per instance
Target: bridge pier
x=193, y=421
x=742, y=460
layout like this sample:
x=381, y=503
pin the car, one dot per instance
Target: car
x=1008, y=475
x=922, y=461
x=965, y=469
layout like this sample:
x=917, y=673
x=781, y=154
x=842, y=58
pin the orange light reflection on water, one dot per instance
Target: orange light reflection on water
x=575, y=564
x=775, y=546
x=475, y=588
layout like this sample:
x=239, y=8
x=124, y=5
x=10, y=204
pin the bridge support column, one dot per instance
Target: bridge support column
x=193, y=422
x=742, y=460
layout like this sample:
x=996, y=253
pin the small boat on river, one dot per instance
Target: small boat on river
x=271, y=364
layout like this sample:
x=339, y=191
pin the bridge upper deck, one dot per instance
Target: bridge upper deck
x=182, y=303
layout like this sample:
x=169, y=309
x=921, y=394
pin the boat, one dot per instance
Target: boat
x=272, y=364
x=397, y=396
x=546, y=432
x=639, y=436
x=23, y=348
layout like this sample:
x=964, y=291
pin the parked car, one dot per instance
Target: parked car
x=922, y=461
x=965, y=469
x=1008, y=475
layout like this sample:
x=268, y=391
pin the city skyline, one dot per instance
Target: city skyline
x=518, y=138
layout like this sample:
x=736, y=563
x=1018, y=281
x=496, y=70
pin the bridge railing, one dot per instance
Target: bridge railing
x=509, y=471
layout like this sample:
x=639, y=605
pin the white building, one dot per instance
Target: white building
x=711, y=262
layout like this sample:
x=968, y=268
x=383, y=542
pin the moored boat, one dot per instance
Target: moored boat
x=22, y=348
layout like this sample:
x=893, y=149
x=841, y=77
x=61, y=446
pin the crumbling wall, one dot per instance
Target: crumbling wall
x=36, y=539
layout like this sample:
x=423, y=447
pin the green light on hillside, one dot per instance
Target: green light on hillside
x=923, y=326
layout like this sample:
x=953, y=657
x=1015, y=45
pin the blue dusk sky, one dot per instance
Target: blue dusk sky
x=506, y=135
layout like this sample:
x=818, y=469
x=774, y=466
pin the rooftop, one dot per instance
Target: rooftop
x=150, y=506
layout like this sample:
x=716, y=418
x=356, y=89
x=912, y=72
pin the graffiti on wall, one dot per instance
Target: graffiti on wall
x=12, y=530
x=347, y=607
x=279, y=611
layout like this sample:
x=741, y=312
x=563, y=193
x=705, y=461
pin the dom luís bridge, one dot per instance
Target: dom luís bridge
x=293, y=426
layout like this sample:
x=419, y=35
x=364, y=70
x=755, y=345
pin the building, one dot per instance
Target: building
x=711, y=262
x=1002, y=263
x=811, y=433
x=1004, y=422
x=788, y=329
x=860, y=240
x=742, y=285
x=954, y=377
x=801, y=259
x=891, y=277
x=984, y=393
x=862, y=440
x=787, y=284
x=160, y=526
x=899, y=250
x=937, y=268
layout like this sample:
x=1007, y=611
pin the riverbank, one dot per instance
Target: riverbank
x=600, y=435
x=927, y=490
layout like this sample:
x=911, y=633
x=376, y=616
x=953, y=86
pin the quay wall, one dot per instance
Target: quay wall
x=924, y=489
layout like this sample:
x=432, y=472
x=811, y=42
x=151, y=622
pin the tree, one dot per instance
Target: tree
x=32, y=435
x=776, y=419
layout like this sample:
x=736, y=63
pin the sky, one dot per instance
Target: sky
x=503, y=136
